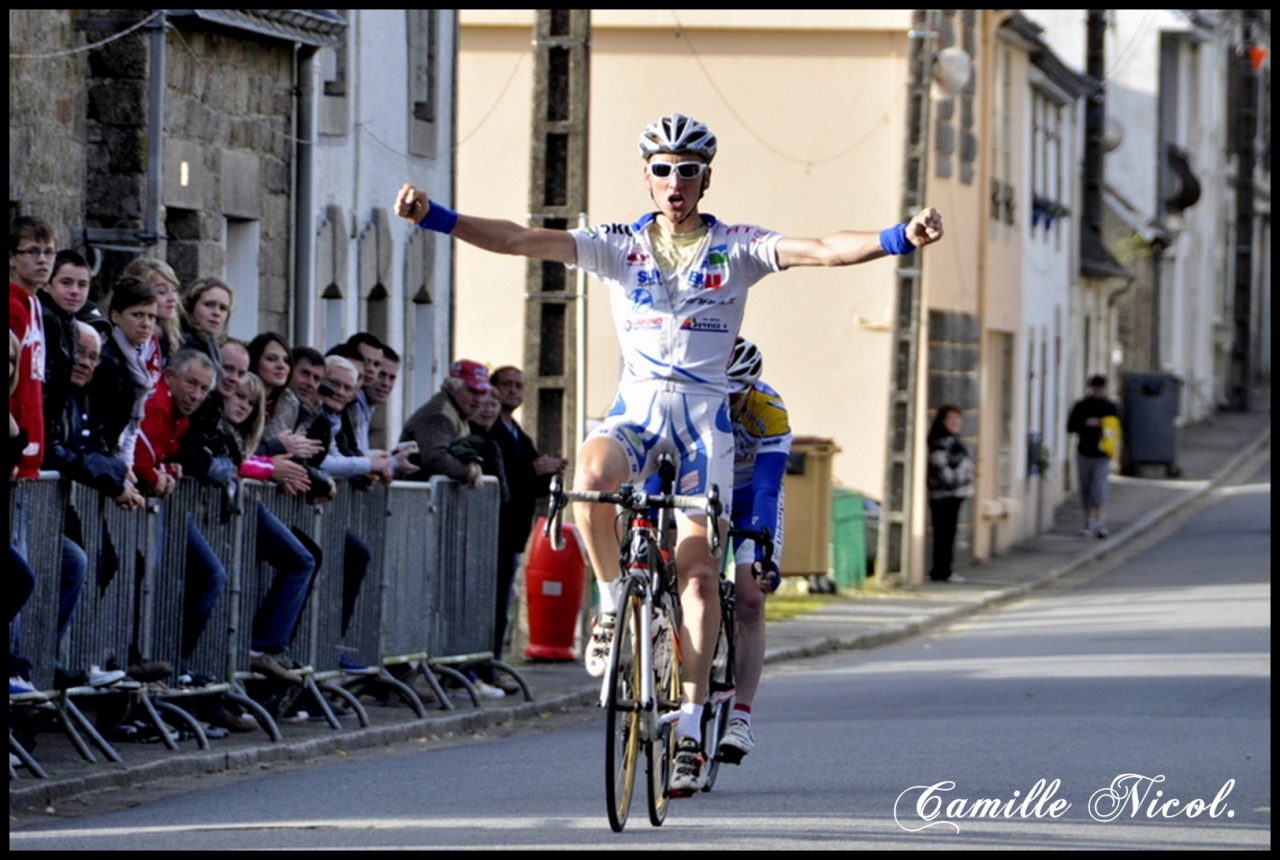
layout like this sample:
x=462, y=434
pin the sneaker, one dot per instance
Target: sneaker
x=687, y=772
x=598, y=646
x=488, y=691
x=142, y=732
x=65, y=679
x=105, y=677
x=510, y=686
x=224, y=718
x=347, y=664
x=736, y=743
x=188, y=678
x=1090, y=526
x=150, y=670
x=19, y=685
x=268, y=665
x=1101, y=530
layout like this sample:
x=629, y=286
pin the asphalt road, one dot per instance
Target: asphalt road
x=1069, y=720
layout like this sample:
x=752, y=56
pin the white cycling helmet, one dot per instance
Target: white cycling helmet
x=745, y=365
x=678, y=133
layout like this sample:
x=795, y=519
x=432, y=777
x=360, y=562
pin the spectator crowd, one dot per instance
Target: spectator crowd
x=132, y=393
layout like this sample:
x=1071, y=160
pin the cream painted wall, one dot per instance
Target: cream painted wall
x=810, y=128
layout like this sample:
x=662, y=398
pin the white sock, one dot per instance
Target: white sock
x=690, y=723
x=740, y=714
x=608, y=596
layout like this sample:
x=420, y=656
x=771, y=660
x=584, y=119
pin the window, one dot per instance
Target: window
x=423, y=33
x=242, y=246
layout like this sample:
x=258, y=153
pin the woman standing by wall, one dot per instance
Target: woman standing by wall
x=950, y=483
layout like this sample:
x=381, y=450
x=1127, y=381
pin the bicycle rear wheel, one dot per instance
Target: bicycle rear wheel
x=622, y=712
x=660, y=749
x=715, y=717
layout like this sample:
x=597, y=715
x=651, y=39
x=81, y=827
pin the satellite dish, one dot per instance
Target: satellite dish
x=952, y=69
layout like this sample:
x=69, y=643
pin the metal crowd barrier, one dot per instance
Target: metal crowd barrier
x=362, y=514
x=36, y=510
x=119, y=546
x=217, y=517
x=426, y=599
x=466, y=565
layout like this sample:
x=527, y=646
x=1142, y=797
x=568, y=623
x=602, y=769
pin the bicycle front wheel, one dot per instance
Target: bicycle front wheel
x=660, y=749
x=622, y=709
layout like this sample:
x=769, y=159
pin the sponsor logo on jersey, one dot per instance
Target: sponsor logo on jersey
x=642, y=324
x=641, y=300
x=649, y=276
x=637, y=258
x=703, y=324
x=715, y=267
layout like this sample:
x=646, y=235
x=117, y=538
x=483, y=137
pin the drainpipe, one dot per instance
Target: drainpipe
x=155, y=128
x=304, y=133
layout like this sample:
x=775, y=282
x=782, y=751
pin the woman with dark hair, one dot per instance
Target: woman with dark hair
x=167, y=339
x=950, y=483
x=122, y=383
x=269, y=358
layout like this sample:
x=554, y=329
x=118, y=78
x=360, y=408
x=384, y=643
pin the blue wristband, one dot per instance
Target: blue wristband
x=894, y=240
x=440, y=218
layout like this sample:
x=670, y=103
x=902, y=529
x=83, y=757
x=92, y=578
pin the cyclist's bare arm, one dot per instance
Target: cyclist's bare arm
x=492, y=234
x=850, y=247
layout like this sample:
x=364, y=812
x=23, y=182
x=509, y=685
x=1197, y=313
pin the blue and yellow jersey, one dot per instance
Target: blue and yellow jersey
x=762, y=441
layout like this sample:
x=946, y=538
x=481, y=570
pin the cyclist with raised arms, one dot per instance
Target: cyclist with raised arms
x=677, y=280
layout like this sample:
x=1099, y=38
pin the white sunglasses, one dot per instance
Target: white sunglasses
x=683, y=169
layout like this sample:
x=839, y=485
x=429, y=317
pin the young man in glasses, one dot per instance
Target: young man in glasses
x=31, y=253
x=678, y=280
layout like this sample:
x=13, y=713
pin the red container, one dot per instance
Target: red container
x=553, y=589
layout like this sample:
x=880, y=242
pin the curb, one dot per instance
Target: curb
x=196, y=763
x=945, y=617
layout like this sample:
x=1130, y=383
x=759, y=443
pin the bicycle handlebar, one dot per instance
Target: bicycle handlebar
x=762, y=537
x=634, y=499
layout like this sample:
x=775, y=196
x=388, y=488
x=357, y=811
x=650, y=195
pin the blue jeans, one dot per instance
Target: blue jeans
x=274, y=623
x=204, y=582
x=355, y=564
x=22, y=581
x=75, y=566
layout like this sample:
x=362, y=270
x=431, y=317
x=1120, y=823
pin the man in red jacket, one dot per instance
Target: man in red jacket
x=187, y=381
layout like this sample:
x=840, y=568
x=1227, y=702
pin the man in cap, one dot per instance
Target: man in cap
x=442, y=420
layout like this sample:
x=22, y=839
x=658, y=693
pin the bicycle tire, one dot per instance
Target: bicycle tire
x=715, y=719
x=660, y=749
x=622, y=713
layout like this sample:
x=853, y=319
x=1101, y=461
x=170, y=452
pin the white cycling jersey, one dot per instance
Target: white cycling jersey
x=679, y=326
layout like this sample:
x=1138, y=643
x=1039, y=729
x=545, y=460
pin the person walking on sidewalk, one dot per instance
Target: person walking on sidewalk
x=1093, y=463
x=678, y=280
x=950, y=483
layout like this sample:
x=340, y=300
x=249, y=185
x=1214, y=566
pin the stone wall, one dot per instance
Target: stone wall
x=228, y=117
x=47, y=130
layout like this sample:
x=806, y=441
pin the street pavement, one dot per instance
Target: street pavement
x=1208, y=453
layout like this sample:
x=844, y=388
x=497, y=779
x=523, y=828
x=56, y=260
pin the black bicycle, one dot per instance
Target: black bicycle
x=723, y=687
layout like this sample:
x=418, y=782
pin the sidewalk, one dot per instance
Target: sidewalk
x=1207, y=453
